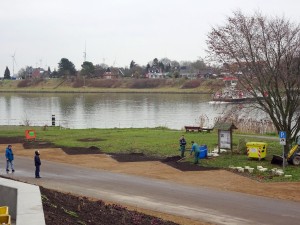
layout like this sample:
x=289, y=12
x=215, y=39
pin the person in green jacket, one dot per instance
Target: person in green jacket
x=195, y=149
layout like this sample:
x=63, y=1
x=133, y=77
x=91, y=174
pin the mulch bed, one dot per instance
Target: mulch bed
x=10, y=140
x=68, y=209
x=185, y=166
x=81, y=150
x=133, y=157
x=37, y=145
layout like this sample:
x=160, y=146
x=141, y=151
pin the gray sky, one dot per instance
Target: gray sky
x=41, y=32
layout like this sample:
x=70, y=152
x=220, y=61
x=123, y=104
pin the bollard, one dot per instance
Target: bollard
x=53, y=120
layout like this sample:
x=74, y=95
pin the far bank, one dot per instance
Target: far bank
x=81, y=85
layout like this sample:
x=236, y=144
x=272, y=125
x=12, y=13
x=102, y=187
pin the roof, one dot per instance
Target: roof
x=225, y=126
x=230, y=78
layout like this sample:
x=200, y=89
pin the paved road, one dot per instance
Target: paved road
x=197, y=203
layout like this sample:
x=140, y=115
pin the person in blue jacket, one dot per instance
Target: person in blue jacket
x=182, y=144
x=9, y=155
x=195, y=149
x=37, y=163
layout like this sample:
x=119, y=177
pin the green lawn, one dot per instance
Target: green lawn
x=160, y=142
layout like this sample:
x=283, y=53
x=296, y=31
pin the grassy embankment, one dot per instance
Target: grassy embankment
x=159, y=142
x=78, y=85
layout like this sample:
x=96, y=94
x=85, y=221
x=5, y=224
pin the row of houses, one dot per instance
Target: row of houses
x=114, y=73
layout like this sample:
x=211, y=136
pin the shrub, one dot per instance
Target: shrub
x=78, y=83
x=191, y=84
x=105, y=83
x=147, y=83
x=24, y=83
x=36, y=81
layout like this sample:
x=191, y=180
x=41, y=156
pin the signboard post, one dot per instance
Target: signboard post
x=282, y=141
x=225, y=139
x=30, y=134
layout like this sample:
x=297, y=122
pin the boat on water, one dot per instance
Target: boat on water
x=231, y=93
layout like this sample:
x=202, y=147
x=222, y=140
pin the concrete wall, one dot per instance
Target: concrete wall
x=24, y=202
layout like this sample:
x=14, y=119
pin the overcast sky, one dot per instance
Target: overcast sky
x=41, y=32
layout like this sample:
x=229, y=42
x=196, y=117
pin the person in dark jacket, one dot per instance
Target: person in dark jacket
x=182, y=144
x=37, y=163
x=9, y=155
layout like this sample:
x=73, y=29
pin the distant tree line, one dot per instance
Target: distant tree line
x=66, y=68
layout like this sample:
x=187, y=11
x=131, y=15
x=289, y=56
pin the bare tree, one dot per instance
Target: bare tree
x=265, y=52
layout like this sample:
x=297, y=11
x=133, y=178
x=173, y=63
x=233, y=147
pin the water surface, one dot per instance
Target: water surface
x=108, y=110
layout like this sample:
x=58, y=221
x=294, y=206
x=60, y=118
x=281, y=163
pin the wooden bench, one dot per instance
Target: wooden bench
x=206, y=129
x=198, y=129
x=192, y=128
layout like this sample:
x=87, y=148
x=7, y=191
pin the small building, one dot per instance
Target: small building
x=37, y=73
x=110, y=74
x=155, y=72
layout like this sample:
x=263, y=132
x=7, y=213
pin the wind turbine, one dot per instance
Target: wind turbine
x=84, y=53
x=115, y=63
x=14, y=62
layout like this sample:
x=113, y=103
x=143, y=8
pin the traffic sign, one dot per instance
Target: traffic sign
x=282, y=141
x=282, y=137
x=282, y=134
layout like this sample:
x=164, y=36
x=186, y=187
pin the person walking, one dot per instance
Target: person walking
x=37, y=163
x=195, y=149
x=9, y=155
x=182, y=144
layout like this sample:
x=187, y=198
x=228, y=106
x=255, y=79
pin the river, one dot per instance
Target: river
x=109, y=110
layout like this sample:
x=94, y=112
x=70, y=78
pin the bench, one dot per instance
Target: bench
x=192, y=128
x=198, y=129
x=207, y=129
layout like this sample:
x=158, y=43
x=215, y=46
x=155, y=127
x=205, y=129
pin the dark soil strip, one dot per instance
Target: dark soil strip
x=38, y=145
x=185, y=166
x=11, y=140
x=133, y=157
x=91, y=139
x=81, y=150
x=67, y=209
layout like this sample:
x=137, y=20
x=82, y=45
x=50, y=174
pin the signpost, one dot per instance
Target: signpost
x=282, y=141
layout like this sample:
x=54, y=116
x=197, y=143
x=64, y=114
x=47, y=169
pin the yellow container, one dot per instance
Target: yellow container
x=3, y=210
x=5, y=219
x=256, y=150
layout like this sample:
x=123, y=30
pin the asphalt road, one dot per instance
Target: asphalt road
x=198, y=203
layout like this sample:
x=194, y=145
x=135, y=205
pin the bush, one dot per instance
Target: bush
x=241, y=147
x=29, y=82
x=24, y=83
x=191, y=84
x=105, y=83
x=147, y=83
x=78, y=83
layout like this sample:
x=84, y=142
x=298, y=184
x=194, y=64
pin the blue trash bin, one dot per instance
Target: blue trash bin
x=203, y=151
